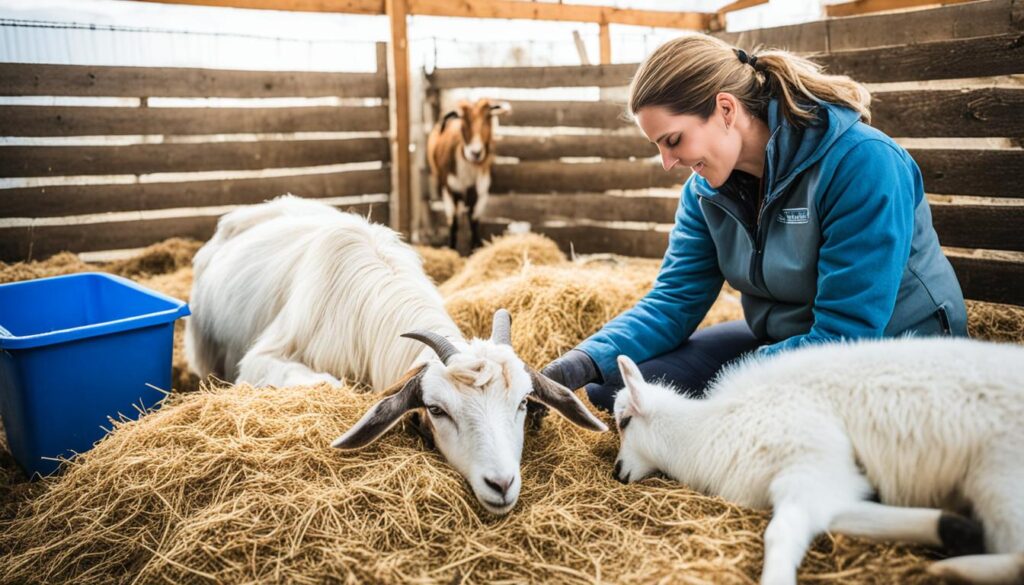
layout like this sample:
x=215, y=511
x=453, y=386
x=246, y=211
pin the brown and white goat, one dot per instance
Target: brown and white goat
x=460, y=150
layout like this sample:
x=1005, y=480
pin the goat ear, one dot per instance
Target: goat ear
x=634, y=381
x=402, y=397
x=500, y=108
x=560, y=398
x=449, y=117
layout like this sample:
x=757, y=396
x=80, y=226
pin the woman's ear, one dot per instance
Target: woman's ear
x=727, y=105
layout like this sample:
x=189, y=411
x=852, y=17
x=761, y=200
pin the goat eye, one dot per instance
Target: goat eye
x=522, y=405
x=624, y=422
x=437, y=411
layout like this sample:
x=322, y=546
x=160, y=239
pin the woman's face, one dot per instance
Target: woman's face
x=706, y=146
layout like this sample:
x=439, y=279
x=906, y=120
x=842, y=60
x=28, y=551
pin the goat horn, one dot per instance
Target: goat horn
x=501, y=328
x=441, y=346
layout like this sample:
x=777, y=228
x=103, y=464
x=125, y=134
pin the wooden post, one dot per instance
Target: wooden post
x=606, y=45
x=401, y=207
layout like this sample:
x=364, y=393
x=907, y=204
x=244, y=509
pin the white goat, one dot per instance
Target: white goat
x=932, y=423
x=294, y=292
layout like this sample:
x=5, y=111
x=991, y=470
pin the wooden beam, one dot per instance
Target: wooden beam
x=608, y=175
x=985, y=173
x=959, y=21
x=992, y=227
x=100, y=121
x=553, y=147
x=342, y=6
x=21, y=79
x=537, y=209
x=717, y=22
x=933, y=113
x=977, y=57
x=865, y=6
x=606, y=44
x=398, y=59
x=513, y=9
x=995, y=281
x=139, y=159
x=62, y=200
x=534, y=77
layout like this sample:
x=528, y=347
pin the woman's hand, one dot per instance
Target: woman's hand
x=574, y=369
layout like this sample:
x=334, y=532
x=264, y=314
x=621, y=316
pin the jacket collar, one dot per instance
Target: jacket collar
x=791, y=150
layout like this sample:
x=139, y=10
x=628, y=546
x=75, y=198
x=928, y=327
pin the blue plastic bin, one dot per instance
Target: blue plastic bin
x=75, y=350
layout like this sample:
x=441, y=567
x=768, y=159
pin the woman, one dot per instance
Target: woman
x=819, y=220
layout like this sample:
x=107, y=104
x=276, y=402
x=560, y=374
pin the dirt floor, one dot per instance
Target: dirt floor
x=230, y=484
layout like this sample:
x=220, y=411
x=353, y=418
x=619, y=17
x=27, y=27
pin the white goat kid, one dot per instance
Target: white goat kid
x=930, y=423
x=294, y=292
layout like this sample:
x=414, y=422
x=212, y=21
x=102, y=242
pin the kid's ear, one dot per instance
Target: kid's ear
x=634, y=381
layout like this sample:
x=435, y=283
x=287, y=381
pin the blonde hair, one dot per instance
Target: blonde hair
x=686, y=74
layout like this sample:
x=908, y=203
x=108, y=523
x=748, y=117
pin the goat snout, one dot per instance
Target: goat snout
x=617, y=474
x=500, y=485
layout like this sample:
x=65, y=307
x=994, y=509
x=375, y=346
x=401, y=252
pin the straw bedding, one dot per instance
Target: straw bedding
x=231, y=484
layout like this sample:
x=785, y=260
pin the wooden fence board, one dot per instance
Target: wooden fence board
x=85, y=199
x=90, y=121
x=537, y=209
x=811, y=37
x=993, y=227
x=40, y=161
x=987, y=173
x=605, y=115
x=997, y=112
x=100, y=81
x=976, y=19
x=549, y=177
x=555, y=146
x=33, y=243
x=995, y=281
x=560, y=76
x=979, y=57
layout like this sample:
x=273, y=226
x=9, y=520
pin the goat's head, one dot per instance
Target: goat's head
x=638, y=408
x=475, y=401
x=477, y=140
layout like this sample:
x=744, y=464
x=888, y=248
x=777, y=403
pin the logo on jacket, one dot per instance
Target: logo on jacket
x=793, y=215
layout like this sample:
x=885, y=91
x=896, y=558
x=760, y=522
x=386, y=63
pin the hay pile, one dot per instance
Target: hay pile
x=502, y=256
x=440, y=264
x=238, y=485
x=235, y=484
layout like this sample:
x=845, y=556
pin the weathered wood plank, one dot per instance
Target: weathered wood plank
x=979, y=57
x=988, y=173
x=561, y=76
x=102, y=81
x=976, y=19
x=40, y=161
x=995, y=281
x=550, y=177
x=89, y=121
x=85, y=199
x=593, y=239
x=984, y=112
x=811, y=37
x=993, y=227
x=554, y=147
x=537, y=209
x=33, y=243
x=606, y=115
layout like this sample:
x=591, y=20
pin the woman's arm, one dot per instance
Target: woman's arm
x=686, y=287
x=867, y=223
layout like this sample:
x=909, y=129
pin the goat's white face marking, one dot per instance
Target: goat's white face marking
x=477, y=409
x=632, y=416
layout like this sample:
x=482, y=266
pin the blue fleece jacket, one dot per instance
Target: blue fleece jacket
x=842, y=248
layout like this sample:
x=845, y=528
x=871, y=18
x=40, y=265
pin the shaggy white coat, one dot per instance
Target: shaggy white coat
x=933, y=424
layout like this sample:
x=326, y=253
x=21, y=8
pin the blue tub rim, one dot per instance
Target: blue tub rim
x=179, y=309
